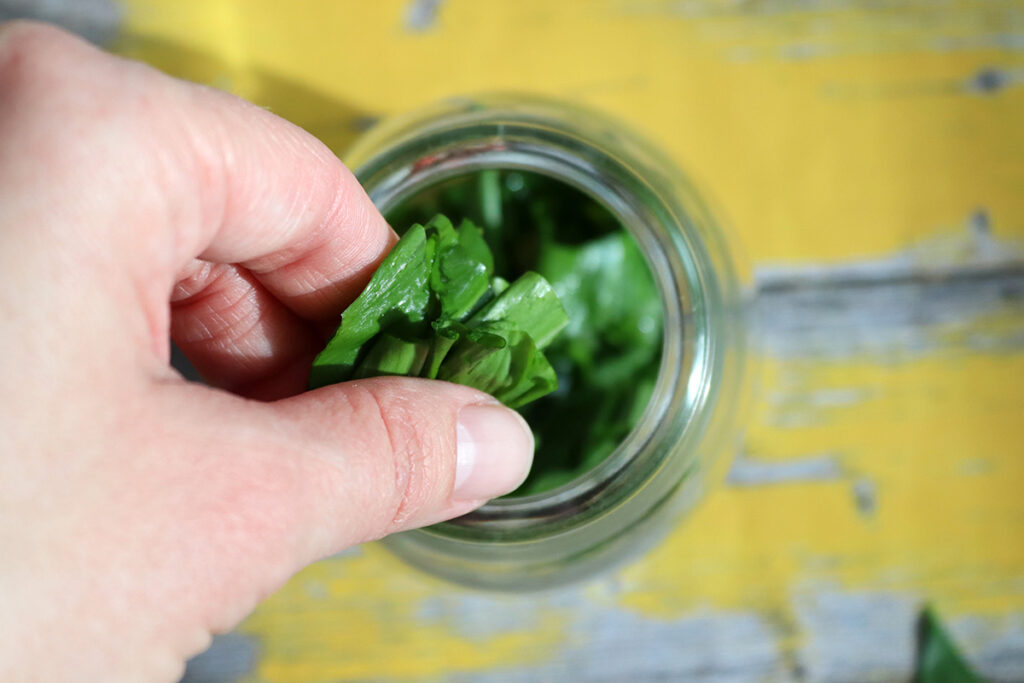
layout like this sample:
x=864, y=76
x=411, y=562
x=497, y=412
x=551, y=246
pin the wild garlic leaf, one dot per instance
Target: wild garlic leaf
x=462, y=267
x=435, y=309
x=501, y=359
x=938, y=659
x=390, y=355
x=446, y=333
x=532, y=305
x=397, y=297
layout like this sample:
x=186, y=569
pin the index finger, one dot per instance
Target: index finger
x=217, y=177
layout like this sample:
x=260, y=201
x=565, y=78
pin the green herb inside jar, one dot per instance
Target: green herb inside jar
x=607, y=358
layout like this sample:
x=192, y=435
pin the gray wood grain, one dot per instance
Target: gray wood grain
x=94, y=20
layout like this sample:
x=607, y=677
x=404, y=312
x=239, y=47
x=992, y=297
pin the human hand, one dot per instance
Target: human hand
x=140, y=513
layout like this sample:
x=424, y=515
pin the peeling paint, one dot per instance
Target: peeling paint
x=976, y=466
x=747, y=471
x=228, y=659
x=994, y=645
x=842, y=626
x=712, y=646
x=836, y=397
x=973, y=248
x=421, y=15
x=991, y=80
x=841, y=313
x=481, y=617
x=865, y=496
x=815, y=29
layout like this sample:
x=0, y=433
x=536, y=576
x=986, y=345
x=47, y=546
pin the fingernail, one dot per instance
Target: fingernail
x=495, y=451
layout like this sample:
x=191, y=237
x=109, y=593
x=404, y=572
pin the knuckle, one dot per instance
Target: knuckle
x=25, y=32
x=304, y=249
x=27, y=45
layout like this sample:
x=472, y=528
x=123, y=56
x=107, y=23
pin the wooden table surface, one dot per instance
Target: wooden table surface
x=871, y=158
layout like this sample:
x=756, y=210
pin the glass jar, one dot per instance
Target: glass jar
x=680, y=445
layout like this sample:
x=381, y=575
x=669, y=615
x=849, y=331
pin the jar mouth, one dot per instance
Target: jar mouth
x=476, y=140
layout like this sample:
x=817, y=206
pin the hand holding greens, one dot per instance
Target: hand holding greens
x=435, y=309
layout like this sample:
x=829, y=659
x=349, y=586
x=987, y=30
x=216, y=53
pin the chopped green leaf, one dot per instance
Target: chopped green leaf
x=393, y=356
x=501, y=359
x=938, y=660
x=607, y=359
x=396, y=297
x=532, y=305
x=434, y=309
x=462, y=268
x=445, y=335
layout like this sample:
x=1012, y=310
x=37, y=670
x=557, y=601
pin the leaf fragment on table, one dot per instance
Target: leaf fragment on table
x=938, y=659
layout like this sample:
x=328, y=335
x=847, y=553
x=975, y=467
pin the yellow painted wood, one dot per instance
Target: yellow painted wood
x=363, y=618
x=827, y=133
x=940, y=438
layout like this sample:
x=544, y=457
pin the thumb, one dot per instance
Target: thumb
x=399, y=453
x=202, y=503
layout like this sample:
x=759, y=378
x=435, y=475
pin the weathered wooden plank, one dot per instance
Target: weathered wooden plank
x=826, y=130
x=893, y=318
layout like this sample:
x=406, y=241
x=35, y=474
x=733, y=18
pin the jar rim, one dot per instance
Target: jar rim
x=620, y=172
